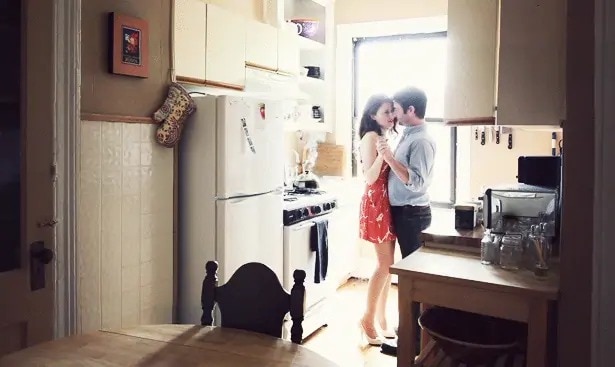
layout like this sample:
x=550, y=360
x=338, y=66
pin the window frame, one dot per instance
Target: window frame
x=356, y=113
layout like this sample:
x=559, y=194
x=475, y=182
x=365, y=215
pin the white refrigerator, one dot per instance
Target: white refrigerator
x=231, y=176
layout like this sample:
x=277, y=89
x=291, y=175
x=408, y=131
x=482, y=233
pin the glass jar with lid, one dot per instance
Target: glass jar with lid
x=511, y=252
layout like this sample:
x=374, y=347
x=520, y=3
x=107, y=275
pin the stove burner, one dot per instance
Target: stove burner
x=302, y=191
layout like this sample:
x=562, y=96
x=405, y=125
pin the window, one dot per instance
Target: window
x=387, y=64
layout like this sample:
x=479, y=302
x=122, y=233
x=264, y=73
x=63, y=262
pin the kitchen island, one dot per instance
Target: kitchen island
x=447, y=272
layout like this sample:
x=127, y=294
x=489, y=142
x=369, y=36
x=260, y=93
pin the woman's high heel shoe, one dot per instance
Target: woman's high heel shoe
x=375, y=341
x=389, y=333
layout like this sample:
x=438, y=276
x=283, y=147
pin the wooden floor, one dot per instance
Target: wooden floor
x=341, y=341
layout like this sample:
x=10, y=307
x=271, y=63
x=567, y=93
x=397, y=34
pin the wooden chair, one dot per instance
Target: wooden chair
x=254, y=300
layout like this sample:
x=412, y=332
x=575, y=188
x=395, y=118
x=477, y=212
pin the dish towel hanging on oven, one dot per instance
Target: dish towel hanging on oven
x=319, y=243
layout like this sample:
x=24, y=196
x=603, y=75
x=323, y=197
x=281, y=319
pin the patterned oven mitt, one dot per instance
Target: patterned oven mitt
x=172, y=115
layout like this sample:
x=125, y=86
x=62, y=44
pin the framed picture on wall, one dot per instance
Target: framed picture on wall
x=128, y=46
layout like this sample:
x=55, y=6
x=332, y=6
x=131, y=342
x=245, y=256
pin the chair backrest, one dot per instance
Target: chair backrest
x=253, y=299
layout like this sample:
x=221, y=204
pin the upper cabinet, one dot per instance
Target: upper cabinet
x=288, y=51
x=506, y=62
x=189, y=41
x=471, y=68
x=261, y=46
x=209, y=45
x=532, y=62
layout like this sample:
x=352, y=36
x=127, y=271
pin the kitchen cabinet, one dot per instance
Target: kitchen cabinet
x=288, y=51
x=189, y=43
x=261, y=46
x=531, y=72
x=471, y=55
x=506, y=60
x=209, y=45
x=226, y=48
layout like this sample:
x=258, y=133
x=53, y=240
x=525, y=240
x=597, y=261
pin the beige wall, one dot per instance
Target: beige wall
x=125, y=227
x=357, y=11
x=494, y=164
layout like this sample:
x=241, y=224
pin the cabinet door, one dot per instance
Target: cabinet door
x=190, y=32
x=288, y=51
x=262, y=45
x=531, y=78
x=225, y=49
x=471, y=59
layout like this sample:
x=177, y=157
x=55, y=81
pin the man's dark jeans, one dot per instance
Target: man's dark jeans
x=409, y=221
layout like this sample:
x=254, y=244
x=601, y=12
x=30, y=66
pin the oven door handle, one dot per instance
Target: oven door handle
x=304, y=226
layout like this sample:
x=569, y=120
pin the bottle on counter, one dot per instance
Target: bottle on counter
x=488, y=249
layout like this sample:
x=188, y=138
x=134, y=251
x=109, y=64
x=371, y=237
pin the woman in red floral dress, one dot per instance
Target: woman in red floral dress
x=375, y=224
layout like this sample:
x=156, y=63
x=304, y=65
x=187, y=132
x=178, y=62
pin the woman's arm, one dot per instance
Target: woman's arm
x=371, y=161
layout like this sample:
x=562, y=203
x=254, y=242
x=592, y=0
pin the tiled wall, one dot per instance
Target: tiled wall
x=125, y=229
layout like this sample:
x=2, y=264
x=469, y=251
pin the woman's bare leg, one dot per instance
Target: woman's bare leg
x=381, y=310
x=384, y=253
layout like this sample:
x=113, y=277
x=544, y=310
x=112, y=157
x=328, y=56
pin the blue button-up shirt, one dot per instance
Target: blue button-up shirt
x=416, y=150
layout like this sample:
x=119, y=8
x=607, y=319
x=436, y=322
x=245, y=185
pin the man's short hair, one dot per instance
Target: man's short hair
x=412, y=96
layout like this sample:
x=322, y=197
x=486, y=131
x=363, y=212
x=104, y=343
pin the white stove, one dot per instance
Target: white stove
x=303, y=209
x=304, y=204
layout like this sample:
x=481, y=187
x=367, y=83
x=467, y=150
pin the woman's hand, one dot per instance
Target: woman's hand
x=384, y=150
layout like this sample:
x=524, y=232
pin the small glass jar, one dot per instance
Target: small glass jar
x=511, y=252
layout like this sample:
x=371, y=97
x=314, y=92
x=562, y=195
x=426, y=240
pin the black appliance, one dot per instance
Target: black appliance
x=543, y=171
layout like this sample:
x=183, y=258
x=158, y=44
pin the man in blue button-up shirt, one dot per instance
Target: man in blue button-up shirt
x=410, y=176
x=411, y=170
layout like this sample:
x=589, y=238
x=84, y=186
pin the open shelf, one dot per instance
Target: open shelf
x=309, y=44
x=306, y=80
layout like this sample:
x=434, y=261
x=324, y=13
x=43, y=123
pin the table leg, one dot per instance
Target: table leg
x=537, y=334
x=407, y=332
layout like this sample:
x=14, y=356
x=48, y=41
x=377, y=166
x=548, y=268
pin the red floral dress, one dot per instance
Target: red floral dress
x=375, y=223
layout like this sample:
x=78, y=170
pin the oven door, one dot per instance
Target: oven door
x=298, y=255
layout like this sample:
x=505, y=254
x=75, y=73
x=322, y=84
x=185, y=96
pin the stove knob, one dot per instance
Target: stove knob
x=327, y=206
x=304, y=213
x=316, y=209
x=333, y=205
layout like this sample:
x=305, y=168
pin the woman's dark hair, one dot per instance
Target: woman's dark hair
x=371, y=108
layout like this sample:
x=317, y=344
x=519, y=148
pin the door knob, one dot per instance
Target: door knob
x=39, y=257
x=43, y=255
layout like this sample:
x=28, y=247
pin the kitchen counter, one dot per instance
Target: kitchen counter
x=443, y=234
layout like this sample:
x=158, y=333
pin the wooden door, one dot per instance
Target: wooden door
x=26, y=174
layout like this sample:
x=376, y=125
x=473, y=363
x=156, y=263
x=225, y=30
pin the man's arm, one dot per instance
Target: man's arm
x=420, y=162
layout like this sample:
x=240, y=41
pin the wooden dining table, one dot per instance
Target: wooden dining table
x=168, y=345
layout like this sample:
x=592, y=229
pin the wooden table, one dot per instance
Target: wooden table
x=459, y=281
x=168, y=345
x=443, y=234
